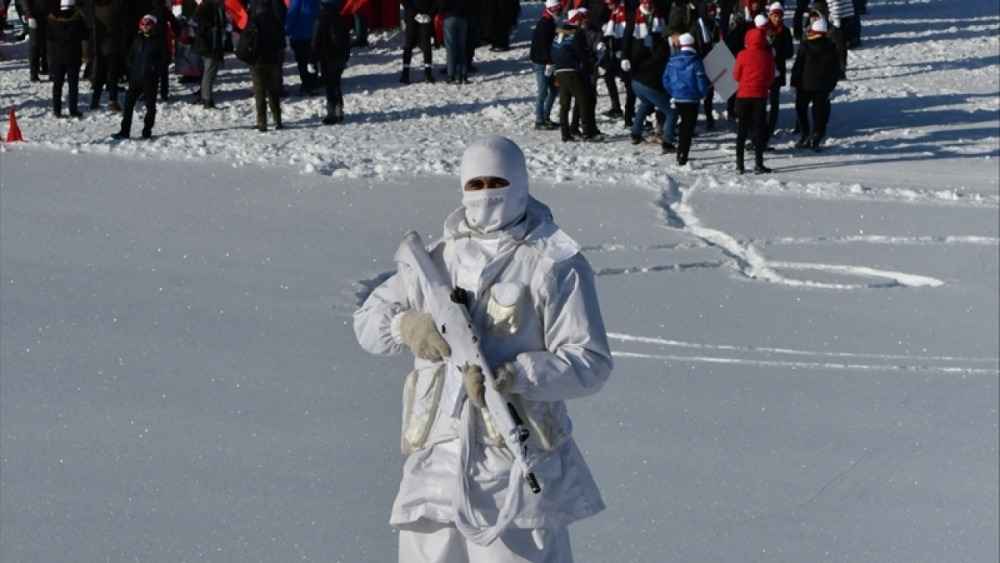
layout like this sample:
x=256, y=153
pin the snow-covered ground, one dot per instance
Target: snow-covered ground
x=807, y=364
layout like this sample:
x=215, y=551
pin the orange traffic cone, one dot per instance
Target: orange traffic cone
x=14, y=133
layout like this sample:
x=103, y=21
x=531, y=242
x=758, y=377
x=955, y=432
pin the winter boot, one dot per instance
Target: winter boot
x=428, y=75
x=338, y=112
x=566, y=136
x=803, y=142
x=113, y=107
x=405, y=77
x=814, y=144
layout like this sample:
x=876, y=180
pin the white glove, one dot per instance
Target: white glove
x=420, y=333
x=422, y=18
x=229, y=28
x=618, y=54
x=311, y=68
x=504, y=377
x=626, y=66
x=32, y=23
x=550, y=70
x=600, y=47
x=472, y=376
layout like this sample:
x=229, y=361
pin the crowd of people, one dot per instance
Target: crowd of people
x=654, y=50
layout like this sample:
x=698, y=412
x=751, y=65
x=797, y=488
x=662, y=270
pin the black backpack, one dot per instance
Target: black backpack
x=247, y=49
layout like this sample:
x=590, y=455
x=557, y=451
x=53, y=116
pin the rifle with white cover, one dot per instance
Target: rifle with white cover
x=447, y=306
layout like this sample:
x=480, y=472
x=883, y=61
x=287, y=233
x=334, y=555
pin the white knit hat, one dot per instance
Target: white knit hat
x=63, y=4
x=553, y=3
x=687, y=40
x=819, y=27
x=760, y=21
x=776, y=7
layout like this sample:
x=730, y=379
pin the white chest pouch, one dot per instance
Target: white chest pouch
x=503, y=309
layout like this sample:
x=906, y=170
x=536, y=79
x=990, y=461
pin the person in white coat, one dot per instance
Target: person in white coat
x=532, y=295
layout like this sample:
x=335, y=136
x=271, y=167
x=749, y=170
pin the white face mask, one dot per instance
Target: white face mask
x=490, y=209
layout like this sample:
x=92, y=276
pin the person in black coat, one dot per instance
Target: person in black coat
x=647, y=83
x=419, y=20
x=331, y=48
x=66, y=31
x=456, y=15
x=541, y=62
x=572, y=58
x=145, y=59
x=265, y=72
x=165, y=18
x=37, y=15
x=780, y=38
x=814, y=76
x=499, y=16
x=109, y=35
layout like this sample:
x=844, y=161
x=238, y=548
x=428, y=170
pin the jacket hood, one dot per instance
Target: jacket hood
x=756, y=39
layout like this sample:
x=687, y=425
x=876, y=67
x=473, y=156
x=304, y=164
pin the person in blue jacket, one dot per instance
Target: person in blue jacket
x=686, y=82
x=299, y=22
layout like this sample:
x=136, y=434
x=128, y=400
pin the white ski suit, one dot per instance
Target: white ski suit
x=532, y=296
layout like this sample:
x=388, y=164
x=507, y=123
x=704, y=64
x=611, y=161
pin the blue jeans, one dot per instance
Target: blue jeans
x=456, y=31
x=547, y=94
x=650, y=98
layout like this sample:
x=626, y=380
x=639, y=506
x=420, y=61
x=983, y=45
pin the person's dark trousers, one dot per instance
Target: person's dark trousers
x=360, y=30
x=629, y=98
x=820, y=101
x=709, y=116
x=852, y=29
x=688, y=115
x=38, y=59
x=147, y=90
x=70, y=75
x=266, y=79
x=611, y=84
x=302, y=48
x=774, y=99
x=572, y=88
x=331, y=75
x=590, y=82
x=105, y=74
x=164, y=83
x=751, y=113
x=801, y=8
x=417, y=35
x=456, y=30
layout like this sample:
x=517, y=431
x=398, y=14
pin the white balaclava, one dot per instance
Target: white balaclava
x=491, y=209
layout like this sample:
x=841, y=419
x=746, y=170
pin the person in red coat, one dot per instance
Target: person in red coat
x=754, y=70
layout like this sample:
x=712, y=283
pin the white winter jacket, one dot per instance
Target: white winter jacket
x=533, y=298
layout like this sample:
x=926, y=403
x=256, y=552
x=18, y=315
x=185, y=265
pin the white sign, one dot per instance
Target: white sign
x=719, y=67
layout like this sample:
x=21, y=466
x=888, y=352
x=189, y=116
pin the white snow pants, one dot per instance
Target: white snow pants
x=426, y=541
